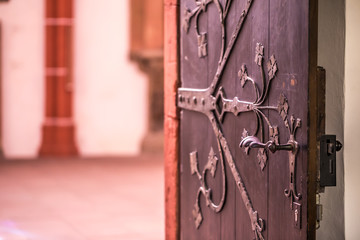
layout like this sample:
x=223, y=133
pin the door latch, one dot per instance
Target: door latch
x=328, y=148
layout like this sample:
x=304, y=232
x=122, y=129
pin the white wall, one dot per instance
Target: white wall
x=23, y=80
x=110, y=92
x=352, y=121
x=331, y=56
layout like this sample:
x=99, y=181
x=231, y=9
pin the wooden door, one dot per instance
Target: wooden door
x=246, y=150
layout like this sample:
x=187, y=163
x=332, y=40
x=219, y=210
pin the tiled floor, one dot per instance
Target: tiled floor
x=85, y=199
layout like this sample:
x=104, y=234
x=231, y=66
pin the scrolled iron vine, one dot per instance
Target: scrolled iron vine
x=213, y=103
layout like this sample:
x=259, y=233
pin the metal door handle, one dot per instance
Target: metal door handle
x=292, y=147
x=254, y=142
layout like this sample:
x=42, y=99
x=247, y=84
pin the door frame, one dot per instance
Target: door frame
x=171, y=119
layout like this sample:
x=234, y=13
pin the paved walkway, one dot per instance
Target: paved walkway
x=85, y=199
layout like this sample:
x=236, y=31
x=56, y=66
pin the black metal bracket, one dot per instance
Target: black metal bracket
x=328, y=148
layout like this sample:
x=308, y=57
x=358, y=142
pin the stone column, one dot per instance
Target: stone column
x=58, y=132
x=146, y=49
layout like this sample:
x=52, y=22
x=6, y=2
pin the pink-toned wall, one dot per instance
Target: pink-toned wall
x=110, y=92
x=22, y=76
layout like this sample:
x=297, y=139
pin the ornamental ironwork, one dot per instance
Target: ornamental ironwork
x=213, y=103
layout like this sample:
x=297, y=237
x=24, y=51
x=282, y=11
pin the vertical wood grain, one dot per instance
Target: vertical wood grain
x=171, y=120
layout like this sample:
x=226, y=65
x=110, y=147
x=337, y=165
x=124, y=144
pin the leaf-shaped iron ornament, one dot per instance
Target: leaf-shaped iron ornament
x=259, y=54
x=212, y=162
x=283, y=107
x=196, y=212
x=210, y=166
x=243, y=75
x=274, y=134
x=272, y=67
x=262, y=158
x=194, y=163
x=202, y=45
x=186, y=23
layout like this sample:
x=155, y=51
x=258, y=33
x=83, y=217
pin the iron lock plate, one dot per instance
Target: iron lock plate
x=328, y=148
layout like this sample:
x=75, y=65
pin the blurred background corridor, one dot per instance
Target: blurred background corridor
x=81, y=119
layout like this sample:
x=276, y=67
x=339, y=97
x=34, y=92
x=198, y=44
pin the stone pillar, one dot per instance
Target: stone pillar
x=58, y=132
x=151, y=63
x=146, y=49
